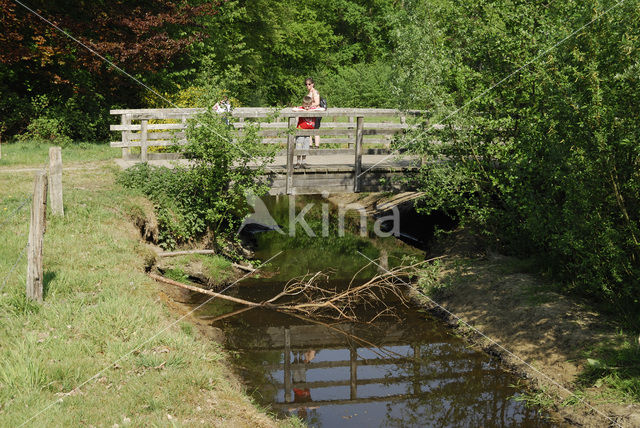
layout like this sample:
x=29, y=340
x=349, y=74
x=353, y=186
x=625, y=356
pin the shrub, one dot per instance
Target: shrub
x=207, y=197
x=46, y=130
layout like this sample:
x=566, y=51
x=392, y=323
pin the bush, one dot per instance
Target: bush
x=46, y=130
x=207, y=197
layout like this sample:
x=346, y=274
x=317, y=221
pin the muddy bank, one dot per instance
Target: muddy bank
x=539, y=334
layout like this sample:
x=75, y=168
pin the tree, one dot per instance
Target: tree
x=541, y=152
x=141, y=38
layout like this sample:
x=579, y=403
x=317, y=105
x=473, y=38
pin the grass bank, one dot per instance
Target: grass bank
x=583, y=363
x=102, y=349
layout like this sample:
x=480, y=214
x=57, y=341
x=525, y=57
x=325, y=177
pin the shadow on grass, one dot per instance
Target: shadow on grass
x=46, y=280
x=617, y=367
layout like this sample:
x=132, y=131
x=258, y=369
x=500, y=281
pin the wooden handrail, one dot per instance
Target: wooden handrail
x=258, y=112
x=276, y=126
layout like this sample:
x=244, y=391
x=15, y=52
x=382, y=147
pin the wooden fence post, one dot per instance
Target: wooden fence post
x=143, y=140
x=126, y=120
x=36, y=236
x=358, y=149
x=290, y=147
x=55, y=180
x=3, y=128
x=351, y=120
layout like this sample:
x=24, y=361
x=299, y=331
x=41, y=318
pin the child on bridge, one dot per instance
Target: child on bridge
x=303, y=143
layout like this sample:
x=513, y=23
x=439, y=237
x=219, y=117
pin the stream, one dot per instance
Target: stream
x=403, y=369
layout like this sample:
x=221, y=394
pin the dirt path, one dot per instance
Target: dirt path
x=540, y=334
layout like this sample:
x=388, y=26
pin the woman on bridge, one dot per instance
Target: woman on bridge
x=315, y=102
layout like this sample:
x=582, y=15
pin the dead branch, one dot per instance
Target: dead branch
x=203, y=291
x=310, y=296
x=186, y=252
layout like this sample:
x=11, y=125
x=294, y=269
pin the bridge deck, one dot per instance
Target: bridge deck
x=326, y=173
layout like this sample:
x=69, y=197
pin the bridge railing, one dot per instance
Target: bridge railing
x=346, y=130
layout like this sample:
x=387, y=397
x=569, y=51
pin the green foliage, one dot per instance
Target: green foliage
x=262, y=52
x=46, y=130
x=360, y=85
x=209, y=194
x=545, y=158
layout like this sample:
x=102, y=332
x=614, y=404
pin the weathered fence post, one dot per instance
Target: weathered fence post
x=126, y=120
x=55, y=180
x=349, y=136
x=36, y=236
x=143, y=140
x=290, y=147
x=358, y=149
x=3, y=128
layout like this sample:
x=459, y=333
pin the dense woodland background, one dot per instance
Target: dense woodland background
x=541, y=99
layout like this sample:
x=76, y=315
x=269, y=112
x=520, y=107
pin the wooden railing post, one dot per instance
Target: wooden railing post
x=353, y=372
x=287, y=365
x=358, y=149
x=143, y=140
x=55, y=180
x=290, y=148
x=125, y=120
x=36, y=237
x=351, y=120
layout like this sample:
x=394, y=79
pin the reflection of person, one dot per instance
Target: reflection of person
x=303, y=142
x=299, y=372
x=299, y=375
x=315, y=102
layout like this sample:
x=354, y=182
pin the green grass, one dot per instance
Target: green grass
x=103, y=341
x=215, y=267
x=616, y=365
x=37, y=154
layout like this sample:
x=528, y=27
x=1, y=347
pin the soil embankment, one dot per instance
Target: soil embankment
x=540, y=334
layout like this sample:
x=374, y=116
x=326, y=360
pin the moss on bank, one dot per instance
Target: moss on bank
x=102, y=349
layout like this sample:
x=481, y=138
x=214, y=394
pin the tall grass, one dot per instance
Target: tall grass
x=36, y=154
x=102, y=341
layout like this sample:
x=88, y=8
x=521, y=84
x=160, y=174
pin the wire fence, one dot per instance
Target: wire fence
x=4, y=222
x=20, y=256
x=14, y=212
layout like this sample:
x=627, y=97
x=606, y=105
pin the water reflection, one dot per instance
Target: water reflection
x=406, y=372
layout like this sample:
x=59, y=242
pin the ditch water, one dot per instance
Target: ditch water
x=402, y=370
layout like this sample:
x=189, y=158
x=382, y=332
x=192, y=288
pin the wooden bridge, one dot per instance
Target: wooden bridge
x=355, y=157
x=383, y=362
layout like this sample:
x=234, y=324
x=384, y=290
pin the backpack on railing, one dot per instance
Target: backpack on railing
x=323, y=103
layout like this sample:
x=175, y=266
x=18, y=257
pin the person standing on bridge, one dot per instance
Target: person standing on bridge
x=303, y=142
x=315, y=102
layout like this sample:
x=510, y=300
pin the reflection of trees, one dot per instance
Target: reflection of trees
x=455, y=392
x=434, y=382
x=263, y=383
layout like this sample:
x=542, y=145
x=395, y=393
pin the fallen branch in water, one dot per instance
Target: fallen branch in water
x=203, y=291
x=311, y=296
